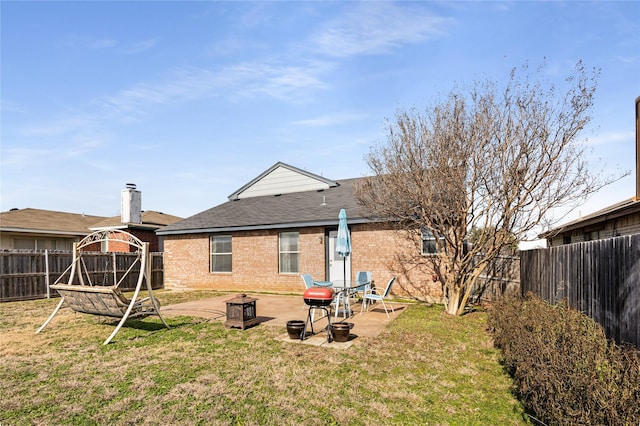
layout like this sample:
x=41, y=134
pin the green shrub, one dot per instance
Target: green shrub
x=564, y=368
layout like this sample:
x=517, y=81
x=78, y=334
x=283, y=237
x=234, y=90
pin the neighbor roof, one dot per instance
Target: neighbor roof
x=623, y=208
x=292, y=210
x=47, y=222
x=150, y=220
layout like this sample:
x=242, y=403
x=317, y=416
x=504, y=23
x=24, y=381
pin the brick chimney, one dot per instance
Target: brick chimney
x=131, y=206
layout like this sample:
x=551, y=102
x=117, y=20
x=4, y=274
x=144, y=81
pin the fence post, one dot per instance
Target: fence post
x=115, y=269
x=46, y=272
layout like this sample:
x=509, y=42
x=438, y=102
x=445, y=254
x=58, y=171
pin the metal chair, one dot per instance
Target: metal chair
x=363, y=278
x=373, y=296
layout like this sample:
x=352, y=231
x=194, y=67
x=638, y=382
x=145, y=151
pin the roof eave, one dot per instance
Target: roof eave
x=590, y=221
x=261, y=227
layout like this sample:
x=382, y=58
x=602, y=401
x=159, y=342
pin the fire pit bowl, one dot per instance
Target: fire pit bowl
x=295, y=329
x=340, y=331
x=318, y=296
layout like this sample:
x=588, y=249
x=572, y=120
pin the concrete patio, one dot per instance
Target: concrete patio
x=276, y=310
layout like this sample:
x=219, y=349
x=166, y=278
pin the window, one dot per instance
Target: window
x=24, y=244
x=289, y=251
x=42, y=244
x=429, y=242
x=221, y=253
x=591, y=235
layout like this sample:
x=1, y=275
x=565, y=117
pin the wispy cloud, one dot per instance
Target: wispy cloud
x=284, y=82
x=139, y=46
x=19, y=157
x=112, y=44
x=58, y=125
x=101, y=44
x=627, y=59
x=288, y=83
x=330, y=120
x=245, y=80
x=377, y=28
x=611, y=138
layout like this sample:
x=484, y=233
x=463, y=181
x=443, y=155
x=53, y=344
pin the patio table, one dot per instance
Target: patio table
x=344, y=289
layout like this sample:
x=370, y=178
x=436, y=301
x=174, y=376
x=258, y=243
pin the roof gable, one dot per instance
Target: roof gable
x=292, y=210
x=280, y=179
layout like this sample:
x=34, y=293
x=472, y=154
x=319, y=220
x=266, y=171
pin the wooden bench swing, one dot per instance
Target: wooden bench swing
x=81, y=295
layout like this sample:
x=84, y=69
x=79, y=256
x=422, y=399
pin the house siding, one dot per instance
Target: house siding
x=280, y=181
x=626, y=225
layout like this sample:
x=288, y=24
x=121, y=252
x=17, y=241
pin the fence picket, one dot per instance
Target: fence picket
x=600, y=278
x=25, y=275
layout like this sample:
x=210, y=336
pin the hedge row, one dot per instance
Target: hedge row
x=564, y=368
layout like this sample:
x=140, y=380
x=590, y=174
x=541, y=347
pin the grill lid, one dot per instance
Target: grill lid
x=319, y=293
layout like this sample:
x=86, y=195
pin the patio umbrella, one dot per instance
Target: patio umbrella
x=343, y=241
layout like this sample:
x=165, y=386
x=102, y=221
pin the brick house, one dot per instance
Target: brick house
x=282, y=224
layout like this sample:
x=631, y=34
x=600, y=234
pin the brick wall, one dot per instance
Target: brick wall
x=255, y=262
x=375, y=248
x=124, y=247
x=146, y=236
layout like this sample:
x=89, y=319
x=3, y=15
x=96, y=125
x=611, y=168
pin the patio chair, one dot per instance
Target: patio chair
x=363, y=278
x=373, y=296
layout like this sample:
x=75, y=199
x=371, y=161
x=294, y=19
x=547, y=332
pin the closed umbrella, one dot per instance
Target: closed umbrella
x=343, y=240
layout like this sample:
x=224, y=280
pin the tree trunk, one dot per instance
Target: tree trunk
x=453, y=301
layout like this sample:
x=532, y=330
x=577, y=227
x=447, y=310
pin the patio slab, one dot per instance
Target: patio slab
x=276, y=310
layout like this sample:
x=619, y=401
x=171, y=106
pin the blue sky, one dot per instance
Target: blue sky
x=191, y=100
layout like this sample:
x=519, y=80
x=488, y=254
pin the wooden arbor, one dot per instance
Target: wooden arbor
x=81, y=295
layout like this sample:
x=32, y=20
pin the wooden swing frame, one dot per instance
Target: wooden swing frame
x=107, y=301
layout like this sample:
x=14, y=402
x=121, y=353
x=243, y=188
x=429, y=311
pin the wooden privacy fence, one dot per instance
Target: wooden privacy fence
x=501, y=277
x=600, y=278
x=27, y=275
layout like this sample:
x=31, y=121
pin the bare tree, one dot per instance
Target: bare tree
x=495, y=162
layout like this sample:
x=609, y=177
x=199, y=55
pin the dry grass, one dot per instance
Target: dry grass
x=426, y=368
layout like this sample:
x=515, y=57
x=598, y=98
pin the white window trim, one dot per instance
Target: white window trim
x=212, y=253
x=280, y=253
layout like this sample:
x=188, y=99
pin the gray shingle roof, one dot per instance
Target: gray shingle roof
x=150, y=219
x=297, y=209
x=48, y=221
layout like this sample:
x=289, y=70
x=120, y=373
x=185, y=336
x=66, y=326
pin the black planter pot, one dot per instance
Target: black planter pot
x=295, y=329
x=340, y=331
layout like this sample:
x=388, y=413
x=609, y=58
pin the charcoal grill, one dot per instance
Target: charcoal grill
x=318, y=298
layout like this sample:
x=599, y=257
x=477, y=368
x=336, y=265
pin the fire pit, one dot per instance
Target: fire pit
x=318, y=298
x=241, y=312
